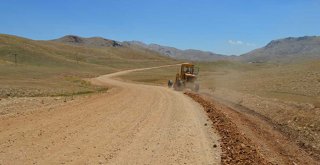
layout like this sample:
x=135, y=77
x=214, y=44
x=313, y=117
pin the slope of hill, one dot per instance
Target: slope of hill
x=92, y=41
x=189, y=54
x=59, y=68
x=53, y=53
x=286, y=50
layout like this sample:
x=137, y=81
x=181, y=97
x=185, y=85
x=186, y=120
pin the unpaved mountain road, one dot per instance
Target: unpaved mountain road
x=130, y=124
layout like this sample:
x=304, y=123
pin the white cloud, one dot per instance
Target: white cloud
x=235, y=42
x=239, y=42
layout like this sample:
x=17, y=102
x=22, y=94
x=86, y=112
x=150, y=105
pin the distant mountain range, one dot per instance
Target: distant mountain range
x=189, y=54
x=286, y=50
x=281, y=50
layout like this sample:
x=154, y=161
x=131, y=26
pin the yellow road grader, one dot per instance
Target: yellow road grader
x=186, y=78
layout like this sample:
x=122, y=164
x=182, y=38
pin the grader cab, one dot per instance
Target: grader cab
x=186, y=78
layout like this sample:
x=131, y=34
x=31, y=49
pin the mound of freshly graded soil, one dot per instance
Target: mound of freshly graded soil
x=236, y=148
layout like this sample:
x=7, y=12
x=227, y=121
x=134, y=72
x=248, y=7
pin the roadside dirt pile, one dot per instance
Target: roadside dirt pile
x=236, y=148
x=298, y=121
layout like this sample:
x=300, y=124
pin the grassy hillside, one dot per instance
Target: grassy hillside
x=51, y=68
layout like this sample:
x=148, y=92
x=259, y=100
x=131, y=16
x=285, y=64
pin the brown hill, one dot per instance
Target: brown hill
x=286, y=50
x=92, y=41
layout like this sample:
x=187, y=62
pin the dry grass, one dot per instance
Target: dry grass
x=159, y=76
x=297, y=82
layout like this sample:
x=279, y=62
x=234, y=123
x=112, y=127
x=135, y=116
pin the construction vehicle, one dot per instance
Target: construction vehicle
x=186, y=78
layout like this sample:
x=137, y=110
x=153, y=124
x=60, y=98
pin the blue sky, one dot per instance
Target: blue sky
x=224, y=26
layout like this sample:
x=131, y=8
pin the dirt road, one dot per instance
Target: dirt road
x=130, y=124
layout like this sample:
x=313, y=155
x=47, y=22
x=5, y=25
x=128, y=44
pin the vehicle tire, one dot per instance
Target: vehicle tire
x=170, y=83
x=178, y=85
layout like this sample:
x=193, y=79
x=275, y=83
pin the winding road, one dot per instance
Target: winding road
x=130, y=124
